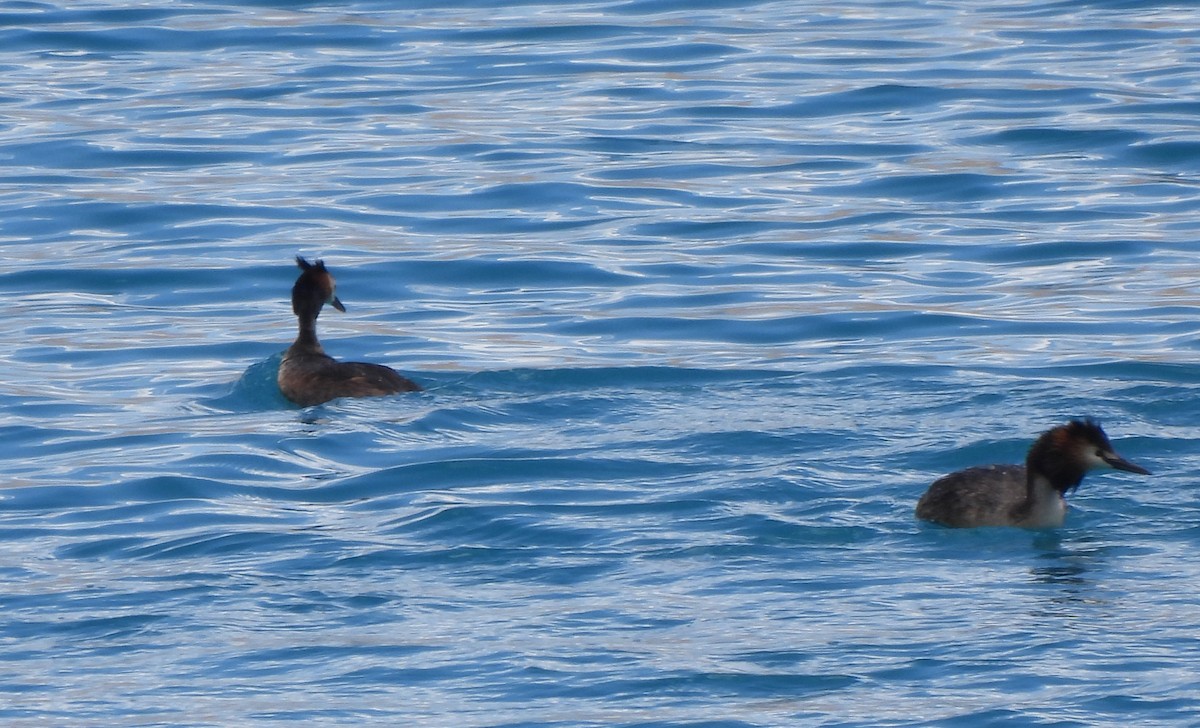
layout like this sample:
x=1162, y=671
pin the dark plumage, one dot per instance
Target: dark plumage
x=1030, y=495
x=307, y=375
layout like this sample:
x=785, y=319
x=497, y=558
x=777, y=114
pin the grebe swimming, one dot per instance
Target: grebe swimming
x=1030, y=495
x=307, y=375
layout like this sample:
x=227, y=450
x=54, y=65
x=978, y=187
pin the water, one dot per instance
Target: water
x=703, y=296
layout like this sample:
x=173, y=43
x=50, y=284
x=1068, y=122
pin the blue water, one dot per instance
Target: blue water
x=703, y=294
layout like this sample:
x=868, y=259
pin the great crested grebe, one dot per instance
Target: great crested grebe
x=307, y=375
x=1029, y=495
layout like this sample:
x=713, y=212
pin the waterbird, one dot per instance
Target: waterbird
x=1030, y=495
x=309, y=376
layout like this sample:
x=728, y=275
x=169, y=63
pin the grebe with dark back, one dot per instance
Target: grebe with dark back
x=309, y=376
x=1030, y=495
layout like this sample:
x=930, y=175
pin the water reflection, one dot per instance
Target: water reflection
x=1071, y=568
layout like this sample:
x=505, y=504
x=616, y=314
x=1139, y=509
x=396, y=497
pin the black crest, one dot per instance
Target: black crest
x=1090, y=430
x=304, y=265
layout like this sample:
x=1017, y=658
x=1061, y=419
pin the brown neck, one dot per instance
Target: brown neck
x=306, y=339
x=1063, y=474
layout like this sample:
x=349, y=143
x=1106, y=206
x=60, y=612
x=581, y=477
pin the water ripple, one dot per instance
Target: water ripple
x=702, y=295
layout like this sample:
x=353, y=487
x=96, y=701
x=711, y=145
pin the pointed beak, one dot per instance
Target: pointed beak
x=333, y=301
x=1117, y=462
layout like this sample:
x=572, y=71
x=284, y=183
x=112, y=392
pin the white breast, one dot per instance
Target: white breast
x=1049, y=508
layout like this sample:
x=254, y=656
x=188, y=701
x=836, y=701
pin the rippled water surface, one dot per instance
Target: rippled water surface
x=703, y=295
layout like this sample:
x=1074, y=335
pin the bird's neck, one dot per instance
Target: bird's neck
x=306, y=338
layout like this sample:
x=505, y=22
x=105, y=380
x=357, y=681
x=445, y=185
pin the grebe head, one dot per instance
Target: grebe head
x=313, y=289
x=1064, y=454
